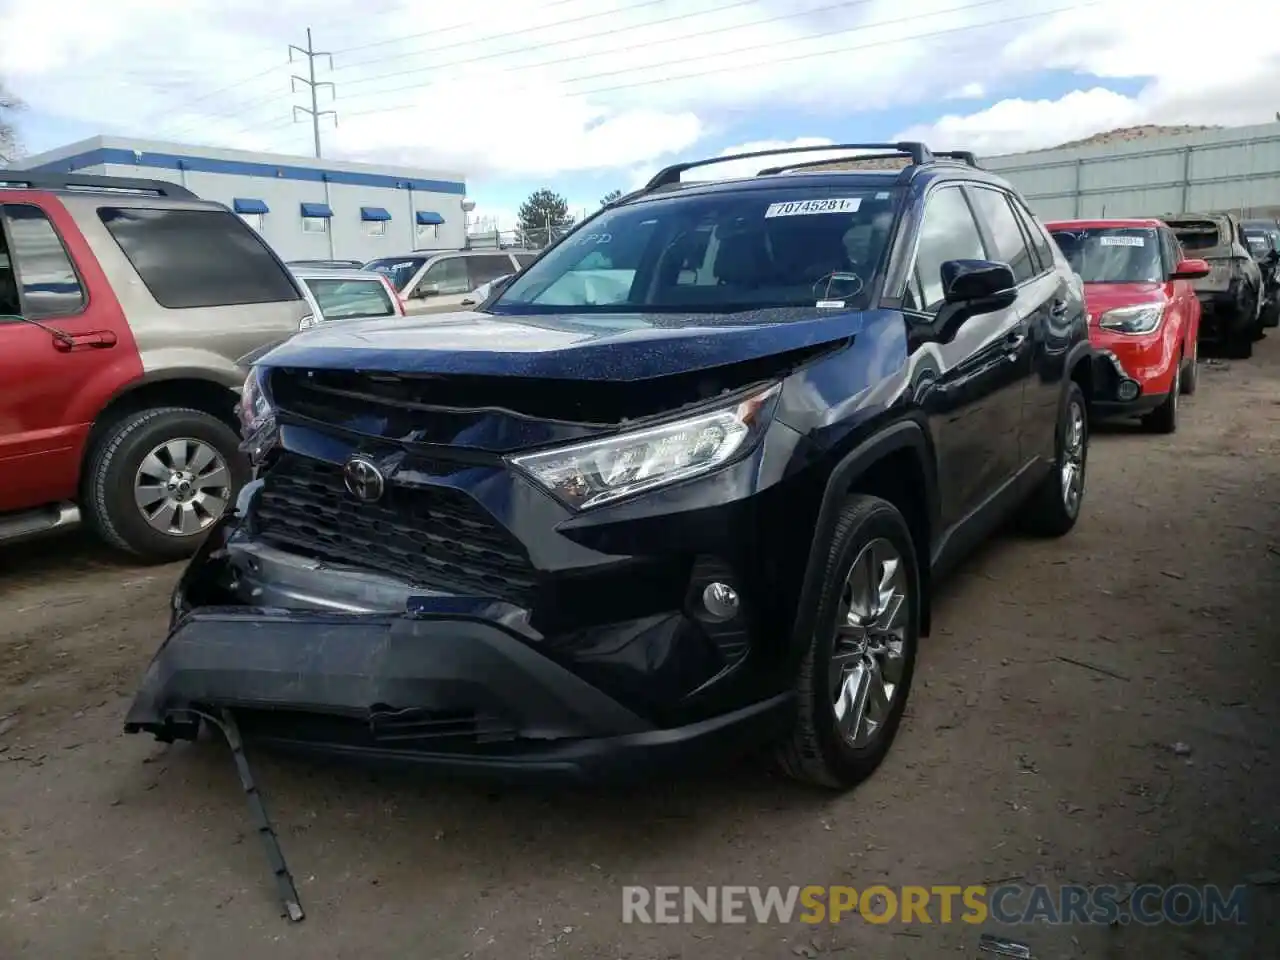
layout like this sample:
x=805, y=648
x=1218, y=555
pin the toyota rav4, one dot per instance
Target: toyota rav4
x=681, y=487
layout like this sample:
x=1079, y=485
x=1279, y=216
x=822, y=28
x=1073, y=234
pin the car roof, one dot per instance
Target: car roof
x=1135, y=223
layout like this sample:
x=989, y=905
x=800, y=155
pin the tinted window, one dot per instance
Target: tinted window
x=1011, y=248
x=785, y=246
x=449, y=276
x=482, y=269
x=1039, y=238
x=947, y=232
x=1112, y=254
x=399, y=270
x=48, y=284
x=198, y=258
x=351, y=299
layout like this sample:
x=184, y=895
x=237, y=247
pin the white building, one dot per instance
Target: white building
x=306, y=209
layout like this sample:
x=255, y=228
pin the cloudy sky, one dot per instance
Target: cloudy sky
x=584, y=96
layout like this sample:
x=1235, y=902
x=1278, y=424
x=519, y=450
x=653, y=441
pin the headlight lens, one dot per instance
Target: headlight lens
x=257, y=419
x=1140, y=319
x=602, y=471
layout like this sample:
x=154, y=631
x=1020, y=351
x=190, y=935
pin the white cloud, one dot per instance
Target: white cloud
x=549, y=88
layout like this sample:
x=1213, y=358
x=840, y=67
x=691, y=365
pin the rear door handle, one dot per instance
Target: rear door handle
x=96, y=339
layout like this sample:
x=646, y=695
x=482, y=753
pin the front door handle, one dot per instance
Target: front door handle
x=94, y=340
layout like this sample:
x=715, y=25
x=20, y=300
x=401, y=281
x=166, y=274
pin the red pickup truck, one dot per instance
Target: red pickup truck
x=124, y=307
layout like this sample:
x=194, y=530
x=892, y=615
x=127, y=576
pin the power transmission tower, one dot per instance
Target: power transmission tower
x=315, y=113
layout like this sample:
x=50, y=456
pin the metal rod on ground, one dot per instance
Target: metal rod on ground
x=275, y=856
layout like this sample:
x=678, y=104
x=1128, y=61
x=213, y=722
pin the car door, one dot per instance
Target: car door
x=56, y=371
x=967, y=392
x=443, y=286
x=1036, y=340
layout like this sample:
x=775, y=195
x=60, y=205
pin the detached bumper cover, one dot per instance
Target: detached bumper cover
x=442, y=692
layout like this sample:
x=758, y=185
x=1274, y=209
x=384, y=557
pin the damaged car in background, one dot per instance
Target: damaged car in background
x=1231, y=295
x=679, y=490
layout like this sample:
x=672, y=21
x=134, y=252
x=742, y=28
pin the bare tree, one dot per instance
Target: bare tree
x=9, y=106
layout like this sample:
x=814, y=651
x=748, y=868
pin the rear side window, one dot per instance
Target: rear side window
x=45, y=278
x=351, y=299
x=1011, y=248
x=486, y=267
x=198, y=258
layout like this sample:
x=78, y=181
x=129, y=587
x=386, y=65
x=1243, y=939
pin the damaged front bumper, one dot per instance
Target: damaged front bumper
x=444, y=682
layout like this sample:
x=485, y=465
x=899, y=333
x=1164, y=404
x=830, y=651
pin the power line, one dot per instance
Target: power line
x=604, y=33
x=498, y=36
x=214, y=93
x=773, y=45
x=314, y=85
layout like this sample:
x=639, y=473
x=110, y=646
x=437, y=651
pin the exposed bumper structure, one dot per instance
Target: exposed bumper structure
x=447, y=693
x=1117, y=393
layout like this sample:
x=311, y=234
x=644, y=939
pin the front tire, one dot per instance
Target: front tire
x=1053, y=509
x=853, y=683
x=1164, y=418
x=158, y=479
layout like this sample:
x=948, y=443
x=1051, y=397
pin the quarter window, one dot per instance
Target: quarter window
x=46, y=280
x=1010, y=246
x=198, y=258
x=947, y=232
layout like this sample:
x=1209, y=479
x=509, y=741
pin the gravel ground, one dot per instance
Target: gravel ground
x=1013, y=762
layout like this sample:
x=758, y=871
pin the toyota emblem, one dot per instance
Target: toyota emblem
x=363, y=479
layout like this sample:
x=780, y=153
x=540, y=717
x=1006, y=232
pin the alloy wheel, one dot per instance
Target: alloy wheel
x=1073, y=453
x=182, y=486
x=867, y=657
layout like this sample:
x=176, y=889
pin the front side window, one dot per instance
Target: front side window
x=45, y=280
x=198, y=258
x=1010, y=245
x=947, y=232
x=1112, y=254
x=351, y=299
x=747, y=250
x=445, y=277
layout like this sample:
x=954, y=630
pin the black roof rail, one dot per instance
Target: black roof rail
x=964, y=156
x=92, y=183
x=668, y=176
x=783, y=168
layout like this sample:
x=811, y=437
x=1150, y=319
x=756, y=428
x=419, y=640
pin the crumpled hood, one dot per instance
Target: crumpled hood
x=562, y=346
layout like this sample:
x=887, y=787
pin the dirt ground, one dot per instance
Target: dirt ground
x=1013, y=763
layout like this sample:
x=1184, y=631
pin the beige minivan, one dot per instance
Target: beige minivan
x=438, y=282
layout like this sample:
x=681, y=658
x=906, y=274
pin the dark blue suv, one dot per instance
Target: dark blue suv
x=680, y=489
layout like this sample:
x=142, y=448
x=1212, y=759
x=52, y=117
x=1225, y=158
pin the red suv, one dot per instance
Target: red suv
x=1144, y=317
x=124, y=307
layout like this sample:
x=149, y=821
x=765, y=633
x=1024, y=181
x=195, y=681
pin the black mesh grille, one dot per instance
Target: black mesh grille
x=433, y=537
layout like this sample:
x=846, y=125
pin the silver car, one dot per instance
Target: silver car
x=438, y=282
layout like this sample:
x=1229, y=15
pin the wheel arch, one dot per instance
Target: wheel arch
x=1079, y=366
x=896, y=464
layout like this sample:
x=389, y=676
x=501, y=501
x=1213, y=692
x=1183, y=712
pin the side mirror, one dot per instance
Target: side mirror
x=425, y=290
x=978, y=286
x=1190, y=270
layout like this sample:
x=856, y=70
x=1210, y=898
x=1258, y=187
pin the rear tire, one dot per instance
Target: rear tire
x=117, y=483
x=1164, y=418
x=849, y=703
x=1055, y=506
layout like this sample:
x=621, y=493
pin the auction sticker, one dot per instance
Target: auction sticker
x=800, y=208
x=1114, y=241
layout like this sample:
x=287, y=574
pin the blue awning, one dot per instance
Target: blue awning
x=249, y=205
x=374, y=213
x=316, y=210
x=429, y=218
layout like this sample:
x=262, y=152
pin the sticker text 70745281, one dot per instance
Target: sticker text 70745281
x=799, y=208
x=1121, y=240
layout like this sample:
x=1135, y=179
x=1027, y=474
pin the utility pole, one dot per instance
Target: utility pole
x=315, y=113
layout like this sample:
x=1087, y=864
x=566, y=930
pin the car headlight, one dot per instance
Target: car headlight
x=602, y=471
x=1140, y=319
x=257, y=418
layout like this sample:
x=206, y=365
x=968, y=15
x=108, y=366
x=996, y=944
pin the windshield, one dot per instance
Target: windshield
x=720, y=252
x=1197, y=234
x=1112, y=254
x=399, y=270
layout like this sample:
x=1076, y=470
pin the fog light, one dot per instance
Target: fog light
x=1128, y=390
x=721, y=601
